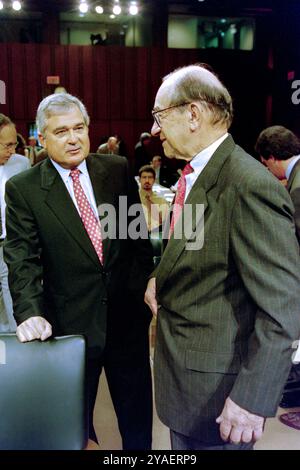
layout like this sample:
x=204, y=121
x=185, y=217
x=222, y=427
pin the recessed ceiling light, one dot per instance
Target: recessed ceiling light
x=83, y=7
x=16, y=5
x=133, y=9
x=117, y=9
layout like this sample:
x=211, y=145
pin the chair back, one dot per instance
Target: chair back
x=43, y=400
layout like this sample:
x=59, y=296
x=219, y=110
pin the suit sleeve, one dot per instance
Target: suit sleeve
x=22, y=255
x=266, y=254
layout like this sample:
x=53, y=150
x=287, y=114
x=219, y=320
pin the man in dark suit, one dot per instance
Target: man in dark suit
x=227, y=303
x=279, y=151
x=163, y=175
x=67, y=277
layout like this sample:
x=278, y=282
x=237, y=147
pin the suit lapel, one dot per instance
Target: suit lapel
x=61, y=204
x=99, y=177
x=198, y=195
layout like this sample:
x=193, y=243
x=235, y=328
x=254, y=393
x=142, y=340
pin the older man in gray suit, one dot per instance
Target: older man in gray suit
x=227, y=312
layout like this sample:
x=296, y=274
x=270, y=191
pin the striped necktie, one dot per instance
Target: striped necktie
x=180, y=196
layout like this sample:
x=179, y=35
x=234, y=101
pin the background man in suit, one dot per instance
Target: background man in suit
x=163, y=175
x=279, y=151
x=228, y=312
x=90, y=284
x=10, y=165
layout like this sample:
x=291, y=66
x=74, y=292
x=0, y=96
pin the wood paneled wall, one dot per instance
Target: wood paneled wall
x=117, y=84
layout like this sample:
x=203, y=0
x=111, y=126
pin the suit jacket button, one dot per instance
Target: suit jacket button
x=104, y=301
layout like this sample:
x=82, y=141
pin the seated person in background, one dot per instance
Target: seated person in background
x=33, y=149
x=142, y=153
x=155, y=207
x=156, y=165
x=111, y=147
x=21, y=146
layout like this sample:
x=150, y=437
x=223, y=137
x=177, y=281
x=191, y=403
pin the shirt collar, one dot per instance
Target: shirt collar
x=291, y=165
x=65, y=173
x=202, y=158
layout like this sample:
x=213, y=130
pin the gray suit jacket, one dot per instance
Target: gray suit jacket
x=230, y=310
x=294, y=189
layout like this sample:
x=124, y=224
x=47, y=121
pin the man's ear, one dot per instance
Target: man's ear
x=194, y=116
x=42, y=140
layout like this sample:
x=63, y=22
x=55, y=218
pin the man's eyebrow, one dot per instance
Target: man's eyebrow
x=57, y=129
x=155, y=109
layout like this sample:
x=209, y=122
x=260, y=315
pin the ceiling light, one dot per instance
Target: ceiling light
x=117, y=9
x=1, y=5
x=133, y=9
x=16, y=5
x=83, y=7
x=112, y=16
x=99, y=10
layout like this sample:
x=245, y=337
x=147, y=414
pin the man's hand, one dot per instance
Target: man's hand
x=238, y=425
x=150, y=296
x=34, y=328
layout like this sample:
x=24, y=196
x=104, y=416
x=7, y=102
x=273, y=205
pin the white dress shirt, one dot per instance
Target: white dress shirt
x=200, y=161
x=85, y=182
x=291, y=166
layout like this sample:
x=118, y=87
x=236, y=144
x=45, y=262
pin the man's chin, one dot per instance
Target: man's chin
x=169, y=155
x=4, y=160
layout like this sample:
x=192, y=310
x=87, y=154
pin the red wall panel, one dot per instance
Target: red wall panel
x=117, y=84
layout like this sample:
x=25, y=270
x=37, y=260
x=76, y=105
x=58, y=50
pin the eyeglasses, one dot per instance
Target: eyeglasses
x=9, y=146
x=156, y=116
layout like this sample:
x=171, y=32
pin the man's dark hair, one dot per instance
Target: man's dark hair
x=148, y=169
x=279, y=142
x=5, y=121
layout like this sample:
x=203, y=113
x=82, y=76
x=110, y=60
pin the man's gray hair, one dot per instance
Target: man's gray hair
x=197, y=83
x=58, y=103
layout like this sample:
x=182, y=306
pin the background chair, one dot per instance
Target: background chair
x=42, y=394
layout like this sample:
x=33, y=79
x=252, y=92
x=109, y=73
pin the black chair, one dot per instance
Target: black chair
x=43, y=398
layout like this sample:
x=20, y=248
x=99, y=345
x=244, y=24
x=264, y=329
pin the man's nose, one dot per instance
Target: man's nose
x=155, y=130
x=72, y=136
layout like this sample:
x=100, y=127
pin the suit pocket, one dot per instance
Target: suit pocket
x=213, y=362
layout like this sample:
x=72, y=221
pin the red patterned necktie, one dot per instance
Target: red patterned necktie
x=90, y=221
x=180, y=196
